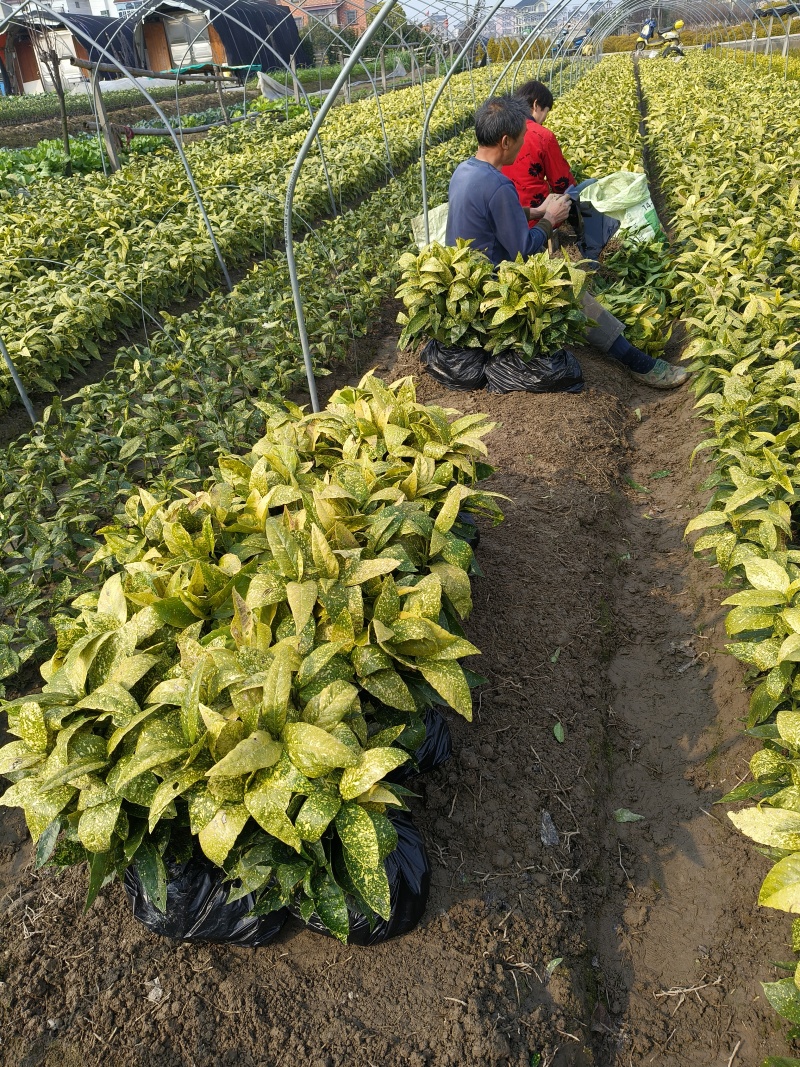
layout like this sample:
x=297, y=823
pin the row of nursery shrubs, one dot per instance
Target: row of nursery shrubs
x=166, y=410
x=260, y=662
x=737, y=229
x=137, y=237
x=16, y=110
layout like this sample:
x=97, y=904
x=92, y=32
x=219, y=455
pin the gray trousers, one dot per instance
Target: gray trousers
x=608, y=328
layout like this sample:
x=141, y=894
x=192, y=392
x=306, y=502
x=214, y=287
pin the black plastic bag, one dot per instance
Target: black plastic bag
x=409, y=874
x=436, y=749
x=466, y=528
x=557, y=372
x=457, y=368
x=196, y=908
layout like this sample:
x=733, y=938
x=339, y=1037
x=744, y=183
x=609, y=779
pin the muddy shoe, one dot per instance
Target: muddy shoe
x=662, y=376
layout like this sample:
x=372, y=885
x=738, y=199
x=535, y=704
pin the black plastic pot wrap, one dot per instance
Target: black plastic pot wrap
x=196, y=908
x=409, y=874
x=557, y=372
x=457, y=368
x=436, y=749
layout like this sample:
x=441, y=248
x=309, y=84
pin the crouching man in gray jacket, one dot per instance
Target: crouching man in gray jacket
x=485, y=208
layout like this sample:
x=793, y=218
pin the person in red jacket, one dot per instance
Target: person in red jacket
x=540, y=169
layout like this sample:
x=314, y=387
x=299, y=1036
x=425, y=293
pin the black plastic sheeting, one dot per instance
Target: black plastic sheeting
x=272, y=23
x=457, y=368
x=196, y=908
x=558, y=372
x=115, y=35
x=436, y=749
x=409, y=872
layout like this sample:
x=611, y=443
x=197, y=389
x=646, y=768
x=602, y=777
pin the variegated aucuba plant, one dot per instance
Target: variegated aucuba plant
x=261, y=660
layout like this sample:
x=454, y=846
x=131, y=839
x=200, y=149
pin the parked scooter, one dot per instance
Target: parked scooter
x=654, y=43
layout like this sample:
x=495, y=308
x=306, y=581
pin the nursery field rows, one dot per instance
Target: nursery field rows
x=294, y=608
x=168, y=410
x=79, y=256
x=737, y=229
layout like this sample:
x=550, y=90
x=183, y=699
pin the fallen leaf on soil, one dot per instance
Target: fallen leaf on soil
x=625, y=815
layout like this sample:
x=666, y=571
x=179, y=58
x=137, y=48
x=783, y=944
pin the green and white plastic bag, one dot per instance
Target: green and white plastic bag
x=437, y=224
x=625, y=196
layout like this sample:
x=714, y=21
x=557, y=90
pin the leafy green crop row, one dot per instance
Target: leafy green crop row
x=166, y=411
x=138, y=236
x=735, y=193
x=16, y=110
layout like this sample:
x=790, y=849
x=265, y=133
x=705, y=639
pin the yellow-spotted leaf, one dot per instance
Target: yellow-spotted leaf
x=390, y=689
x=316, y=815
x=96, y=826
x=313, y=751
x=302, y=597
x=251, y=754
x=781, y=888
x=218, y=836
x=374, y=765
x=448, y=679
x=777, y=827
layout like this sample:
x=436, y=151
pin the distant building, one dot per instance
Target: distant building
x=504, y=23
x=342, y=15
x=529, y=13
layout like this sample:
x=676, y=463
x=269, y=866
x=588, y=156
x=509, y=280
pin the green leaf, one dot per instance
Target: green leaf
x=330, y=905
x=252, y=754
x=371, y=883
x=449, y=682
x=363, y=570
x=267, y=804
x=374, y=765
x=47, y=842
x=331, y=704
x=96, y=826
x=316, y=815
x=766, y=574
x=99, y=866
x=313, y=751
x=390, y=689
x=769, y=826
x=358, y=835
x=781, y=888
x=152, y=874
x=218, y=837
x=625, y=815
x=302, y=597
x=173, y=787
x=277, y=690
x=784, y=998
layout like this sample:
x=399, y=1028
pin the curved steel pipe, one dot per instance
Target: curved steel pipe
x=76, y=31
x=328, y=103
x=429, y=113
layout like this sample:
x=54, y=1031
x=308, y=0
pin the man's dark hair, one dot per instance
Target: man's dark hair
x=499, y=117
x=534, y=92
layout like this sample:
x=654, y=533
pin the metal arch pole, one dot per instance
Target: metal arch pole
x=17, y=382
x=429, y=113
x=336, y=88
x=371, y=81
x=528, y=43
x=264, y=44
x=76, y=31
